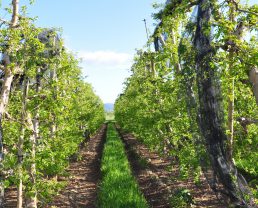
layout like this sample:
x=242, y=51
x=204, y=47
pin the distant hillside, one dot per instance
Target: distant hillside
x=109, y=107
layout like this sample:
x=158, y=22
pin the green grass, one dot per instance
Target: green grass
x=118, y=187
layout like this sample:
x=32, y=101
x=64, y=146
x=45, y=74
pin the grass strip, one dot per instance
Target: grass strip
x=118, y=187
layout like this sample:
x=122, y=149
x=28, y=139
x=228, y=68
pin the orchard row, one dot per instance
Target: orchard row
x=195, y=98
x=46, y=109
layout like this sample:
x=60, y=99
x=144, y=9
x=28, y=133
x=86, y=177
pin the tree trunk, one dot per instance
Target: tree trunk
x=253, y=77
x=5, y=91
x=231, y=93
x=211, y=123
x=31, y=201
x=53, y=126
x=15, y=14
x=231, y=121
x=21, y=142
x=1, y=164
x=36, y=118
x=34, y=126
x=174, y=42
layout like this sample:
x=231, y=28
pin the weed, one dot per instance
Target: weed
x=181, y=198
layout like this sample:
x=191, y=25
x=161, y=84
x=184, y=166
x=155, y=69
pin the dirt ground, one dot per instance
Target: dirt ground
x=82, y=188
x=151, y=171
x=157, y=183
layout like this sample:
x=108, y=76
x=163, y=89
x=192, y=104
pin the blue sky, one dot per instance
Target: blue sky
x=103, y=33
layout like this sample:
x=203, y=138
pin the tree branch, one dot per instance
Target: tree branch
x=244, y=122
x=4, y=21
x=241, y=10
x=246, y=11
x=10, y=118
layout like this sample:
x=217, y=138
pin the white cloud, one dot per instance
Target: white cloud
x=106, y=58
x=106, y=70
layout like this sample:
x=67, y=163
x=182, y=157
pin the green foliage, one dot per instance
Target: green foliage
x=160, y=102
x=65, y=107
x=181, y=198
x=118, y=187
x=48, y=189
x=154, y=108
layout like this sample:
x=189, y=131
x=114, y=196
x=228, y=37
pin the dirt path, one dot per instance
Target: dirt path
x=82, y=188
x=157, y=183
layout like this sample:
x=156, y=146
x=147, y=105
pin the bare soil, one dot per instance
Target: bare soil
x=83, y=185
x=158, y=183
